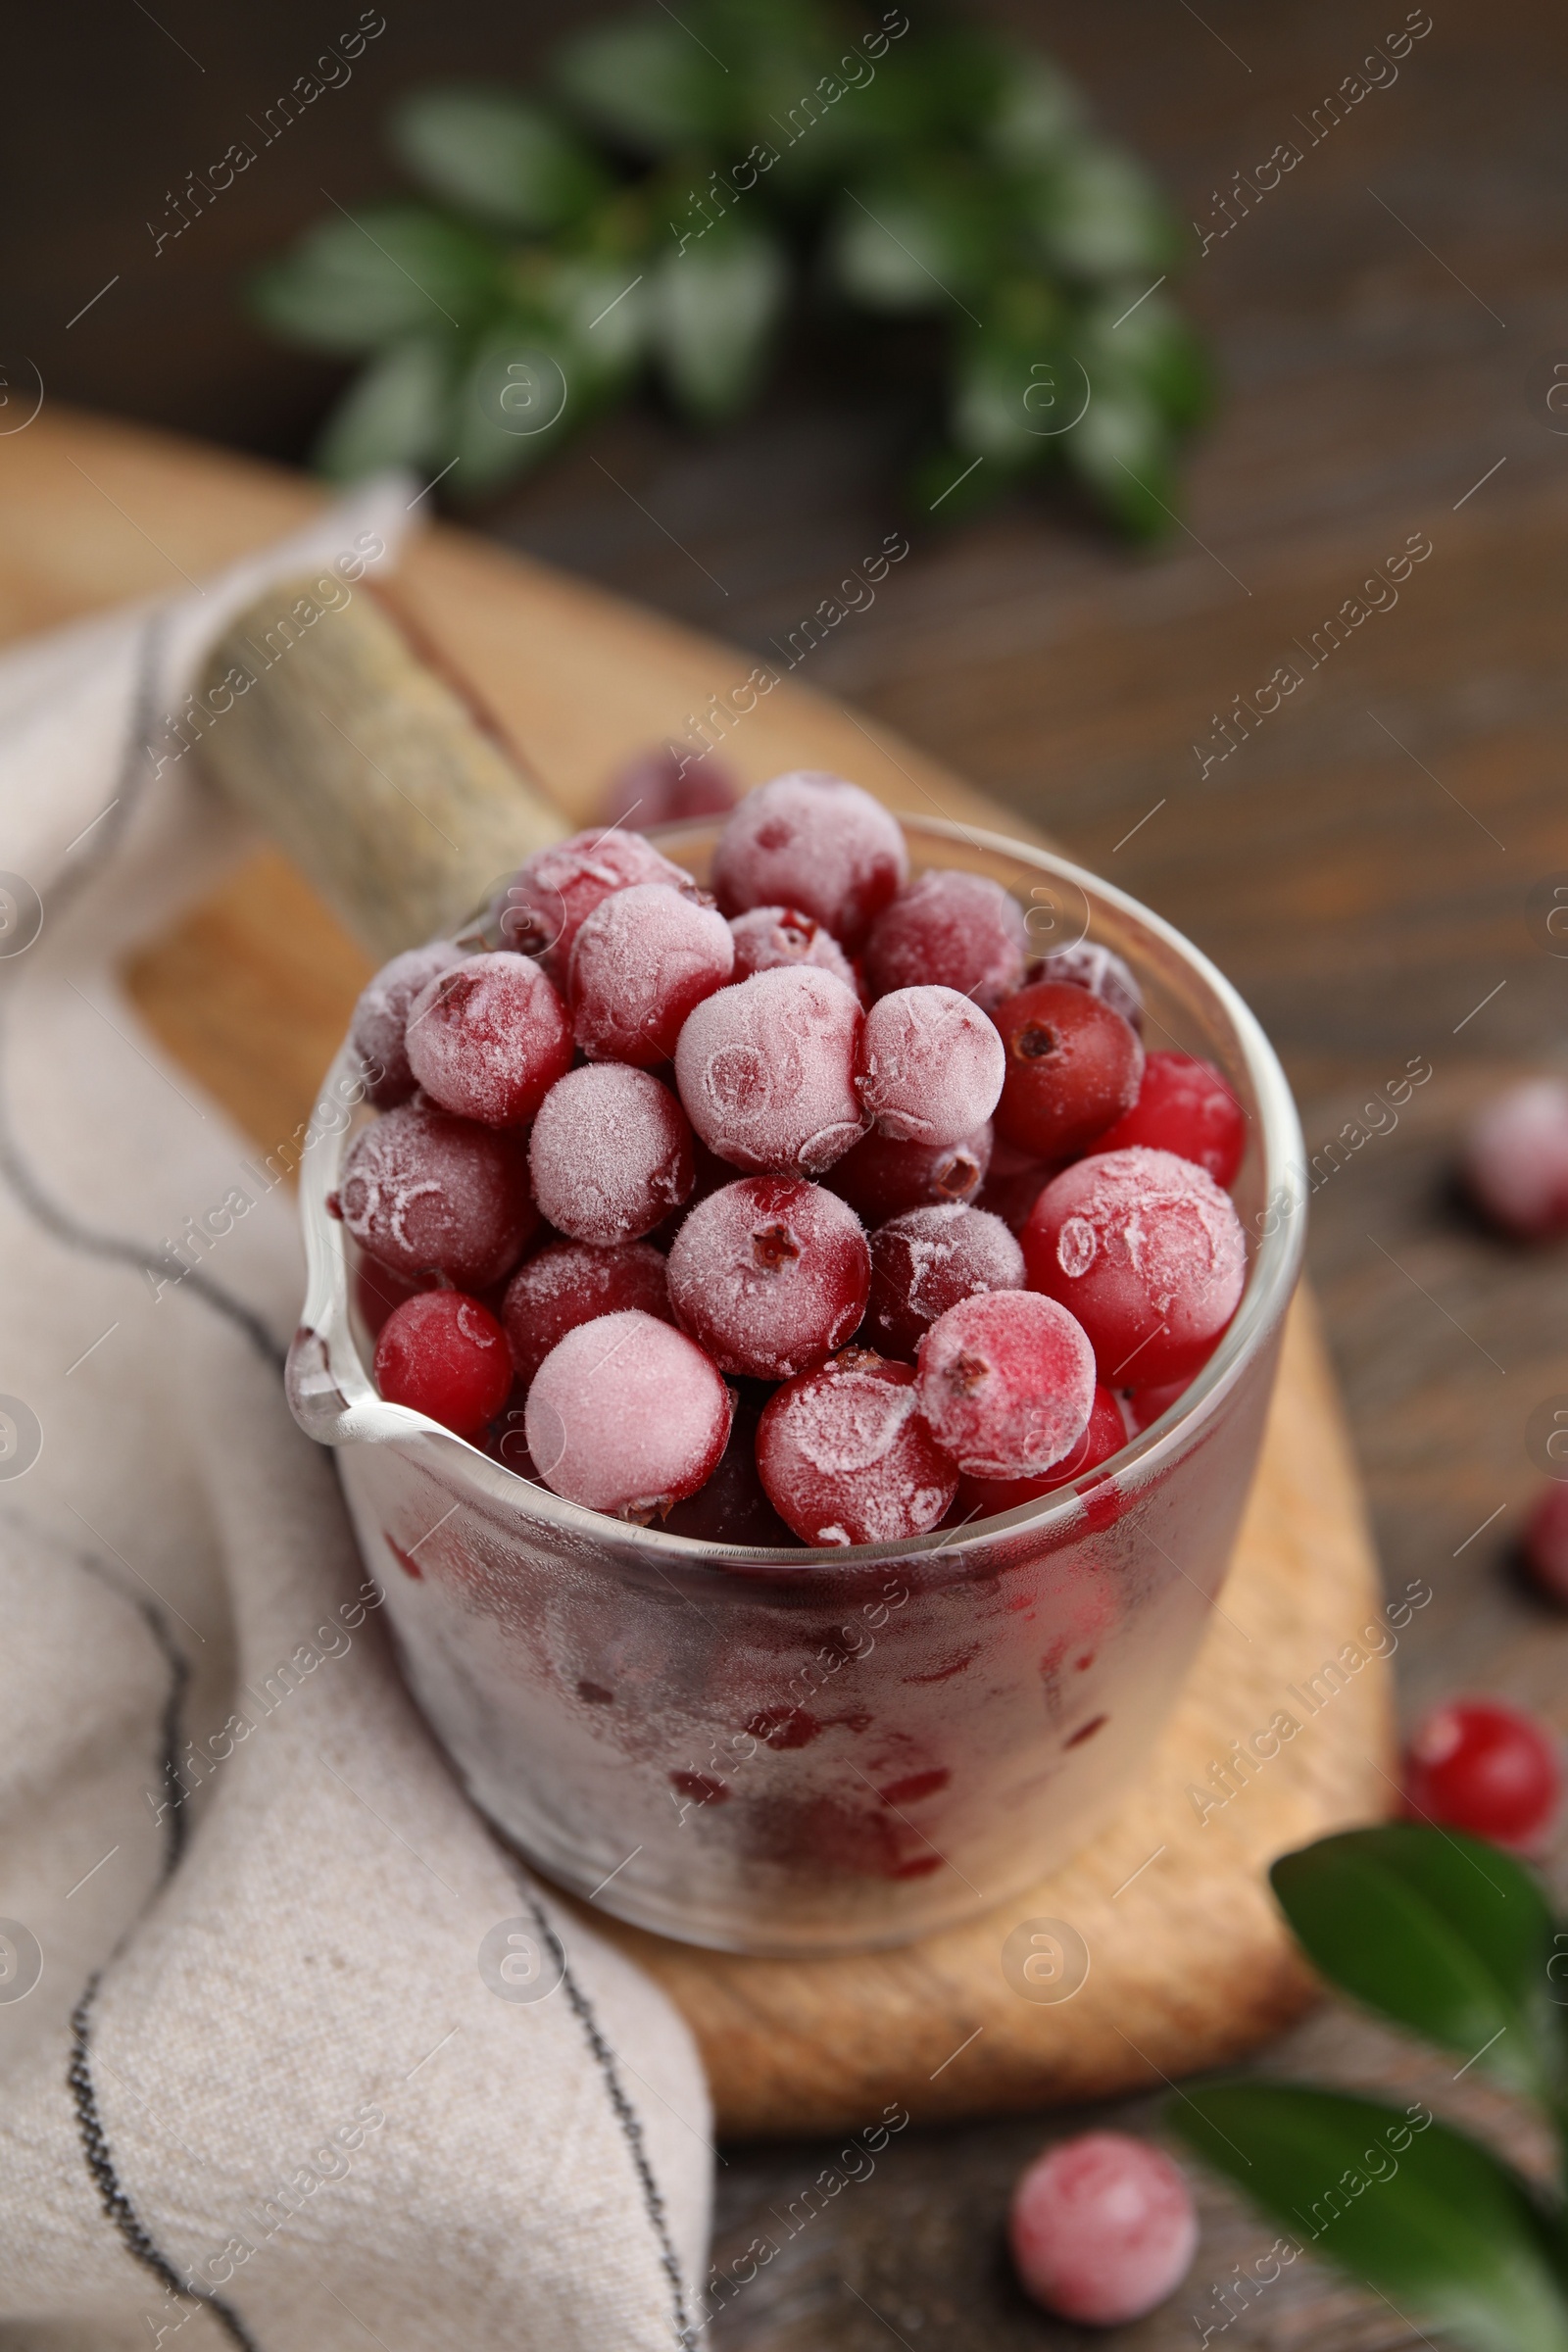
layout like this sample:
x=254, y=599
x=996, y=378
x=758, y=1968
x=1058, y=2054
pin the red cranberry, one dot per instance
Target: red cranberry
x=1073, y=1066
x=627, y=1415
x=881, y=1179
x=767, y=1071
x=547, y=901
x=1516, y=1159
x=426, y=1194
x=1101, y=971
x=767, y=937
x=377, y=1290
x=489, y=1039
x=846, y=1458
x=928, y=1260
x=1102, y=2228
x=733, y=1508
x=812, y=841
x=1183, y=1105
x=1106, y=1436
x=444, y=1355
x=1546, y=1543
x=1144, y=1406
x=771, y=1275
x=572, y=1283
x=381, y=1015
x=1477, y=1766
x=1150, y=1256
x=642, y=960
x=930, y=1067
x=668, y=787
x=611, y=1154
x=1015, y=1182
x=1006, y=1382
x=949, y=929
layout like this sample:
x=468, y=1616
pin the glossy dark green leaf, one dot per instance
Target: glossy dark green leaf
x=495, y=156
x=391, y=270
x=1436, y=1931
x=1442, y=2229
x=395, y=414
x=712, y=312
x=646, y=81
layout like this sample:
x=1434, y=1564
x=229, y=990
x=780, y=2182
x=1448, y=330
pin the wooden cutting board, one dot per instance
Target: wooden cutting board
x=1187, y=1963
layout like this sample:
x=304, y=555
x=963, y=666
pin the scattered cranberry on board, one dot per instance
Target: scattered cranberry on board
x=1102, y=2228
x=1515, y=1160
x=1546, y=1543
x=1475, y=1764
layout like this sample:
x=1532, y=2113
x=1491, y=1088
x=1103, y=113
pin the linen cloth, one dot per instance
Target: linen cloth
x=254, y=2087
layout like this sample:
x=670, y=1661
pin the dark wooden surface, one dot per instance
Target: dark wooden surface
x=1386, y=322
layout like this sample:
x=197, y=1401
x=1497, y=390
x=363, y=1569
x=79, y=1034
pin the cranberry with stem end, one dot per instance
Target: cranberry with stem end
x=1104, y=1436
x=1102, y=2228
x=771, y=1276
x=1006, y=1382
x=627, y=1415
x=488, y=1039
x=1073, y=1066
x=953, y=930
x=813, y=841
x=929, y=1066
x=642, y=961
x=767, y=1071
x=1477, y=1765
x=611, y=1154
x=427, y=1194
x=882, y=1179
x=768, y=937
x=1183, y=1105
x=928, y=1260
x=572, y=1283
x=847, y=1458
x=444, y=1355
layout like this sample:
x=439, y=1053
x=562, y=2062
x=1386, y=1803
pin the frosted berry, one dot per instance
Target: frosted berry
x=881, y=1178
x=611, y=1154
x=930, y=1067
x=382, y=1017
x=1073, y=1066
x=1479, y=1766
x=642, y=960
x=1183, y=1105
x=667, y=786
x=846, y=1458
x=767, y=1071
x=627, y=1415
x=540, y=911
x=1101, y=971
x=572, y=1283
x=1150, y=1256
x=949, y=929
x=1546, y=1543
x=446, y=1355
x=1102, y=2228
x=1006, y=1381
x=928, y=1260
x=1106, y=1436
x=1516, y=1160
x=812, y=841
x=426, y=1194
x=767, y=937
x=771, y=1276
x=488, y=1039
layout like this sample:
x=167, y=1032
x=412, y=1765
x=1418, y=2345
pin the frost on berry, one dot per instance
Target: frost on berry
x=627, y=1415
x=949, y=929
x=611, y=1154
x=572, y=1283
x=381, y=1015
x=488, y=1039
x=847, y=1458
x=1104, y=1438
x=768, y=937
x=813, y=841
x=929, y=1259
x=541, y=908
x=767, y=1071
x=881, y=1178
x=930, y=1067
x=643, y=959
x=771, y=1275
x=1006, y=1381
x=427, y=1194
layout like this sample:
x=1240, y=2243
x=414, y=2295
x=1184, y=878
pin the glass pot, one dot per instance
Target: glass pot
x=813, y=1751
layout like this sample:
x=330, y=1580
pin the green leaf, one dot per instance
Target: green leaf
x=1438, y=1932
x=915, y=243
x=488, y=152
x=395, y=414
x=1098, y=214
x=1037, y=116
x=712, y=310
x=389, y=272
x=1441, y=2228
x=1120, y=450
x=645, y=81
x=1148, y=344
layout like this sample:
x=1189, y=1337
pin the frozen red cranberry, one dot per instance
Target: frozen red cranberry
x=1148, y=1253
x=377, y=1290
x=767, y=1071
x=611, y=1154
x=949, y=929
x=1546, y=1542
x=1479, y=1766
x=1006, y=1381
x=542, y=908
x=572, y=1283
x=382, y=1017
x=444, y=1355
x=1102, y=2228
x=627, y=1415
x=426, y=1194
x=930, y=1067
x=1073, y=1066
x=1183, y=1105
x=642, y=960
x=1516, y=1159
x=1015, y=1182
x=767, y=937
x=812, y=841
x=664, y=787
x=928, y=1260
x=847, y=1458
x=881, y=1178
x=771, y=1275
x=1101, y=971
x=1105, y=1434
x=488, y=1039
